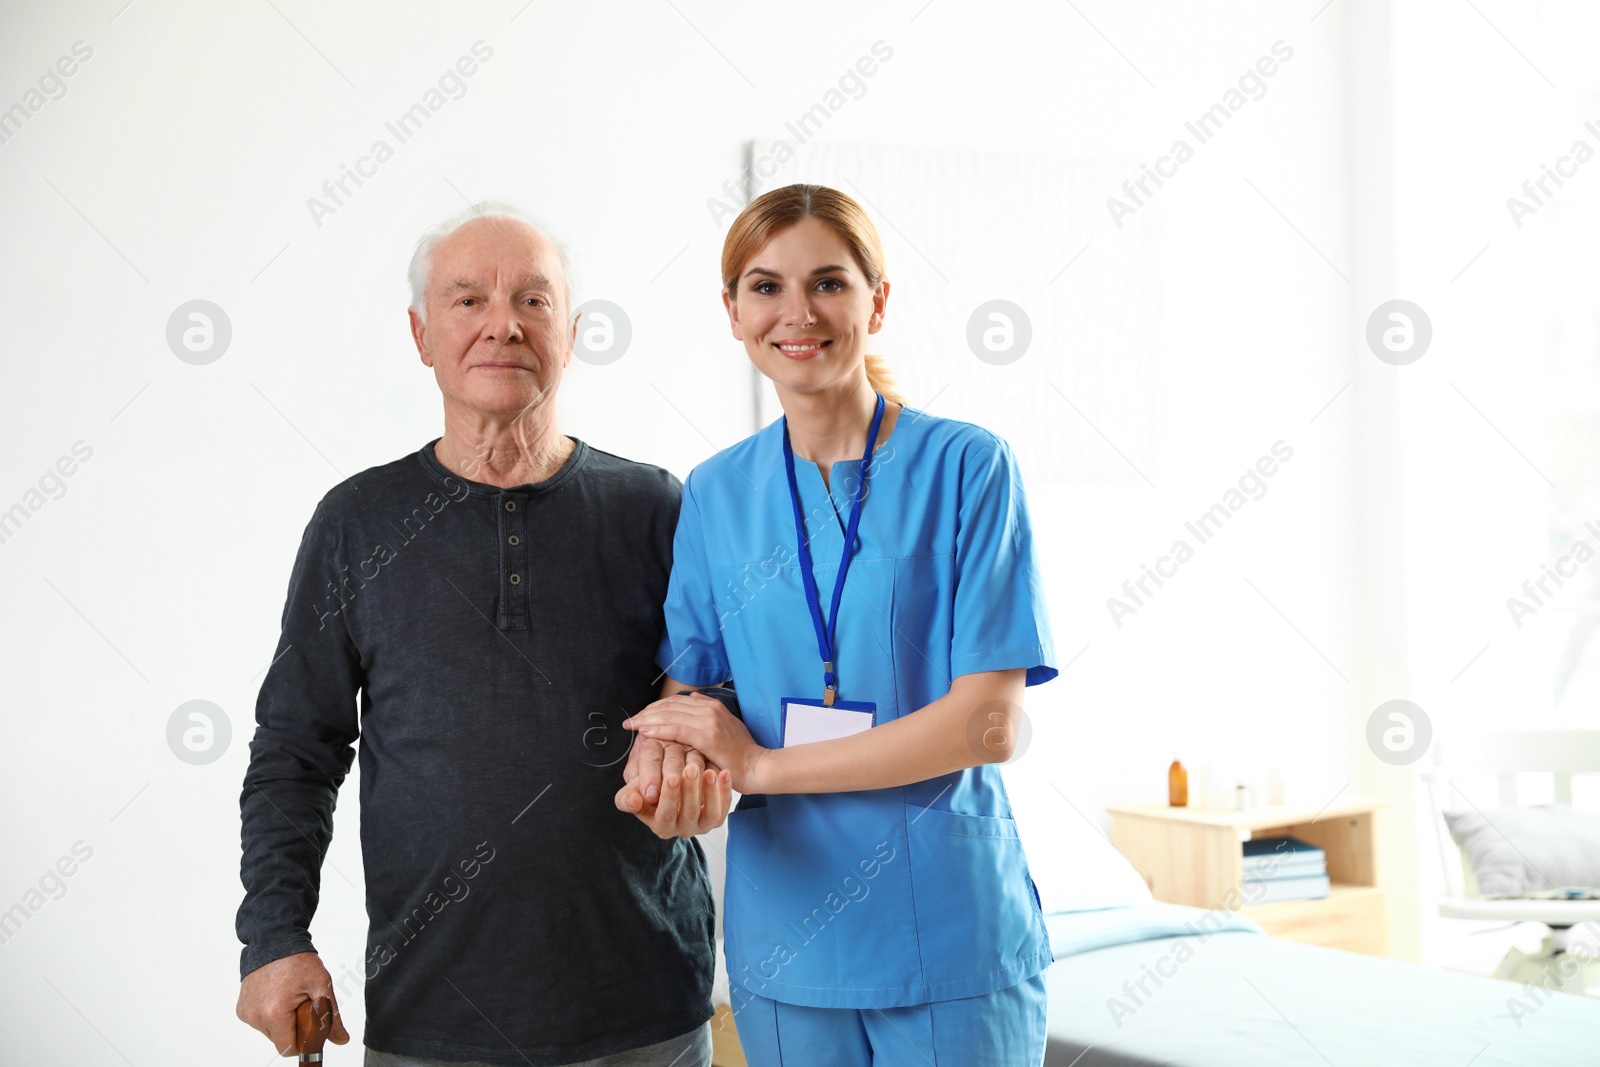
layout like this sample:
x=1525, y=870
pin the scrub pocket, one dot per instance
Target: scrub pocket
x=975, y=899
x=820, y=904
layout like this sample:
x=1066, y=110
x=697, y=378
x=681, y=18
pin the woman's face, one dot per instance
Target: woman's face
x=804, y=310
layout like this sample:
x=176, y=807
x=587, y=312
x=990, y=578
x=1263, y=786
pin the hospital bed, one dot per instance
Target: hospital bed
x=1162, y=984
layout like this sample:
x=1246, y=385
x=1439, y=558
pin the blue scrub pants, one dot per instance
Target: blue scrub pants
x=1005, y=1028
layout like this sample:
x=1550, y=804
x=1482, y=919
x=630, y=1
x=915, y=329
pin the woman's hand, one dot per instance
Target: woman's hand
x=701, y=722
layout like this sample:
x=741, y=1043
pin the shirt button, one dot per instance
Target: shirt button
x=516, y=579
x=511, y=505
x=514, y=539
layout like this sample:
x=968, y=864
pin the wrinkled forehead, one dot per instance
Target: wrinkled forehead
x=485, y=252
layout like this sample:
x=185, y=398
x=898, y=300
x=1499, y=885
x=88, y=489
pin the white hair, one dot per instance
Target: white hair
x=421, y=269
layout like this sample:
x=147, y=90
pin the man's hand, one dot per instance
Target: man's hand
x=673, y=790
x=269, y=995
x=646, y=766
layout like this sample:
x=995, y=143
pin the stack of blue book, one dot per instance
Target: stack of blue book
x=1284, y=868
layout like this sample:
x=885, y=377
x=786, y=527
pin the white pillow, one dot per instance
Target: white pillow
x=1546, y=850
x=1073, y=863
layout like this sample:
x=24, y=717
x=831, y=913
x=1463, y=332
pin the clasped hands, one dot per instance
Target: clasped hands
x=689, y=756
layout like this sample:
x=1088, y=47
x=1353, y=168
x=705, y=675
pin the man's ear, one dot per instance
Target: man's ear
x=733, y=316
x=417, y=329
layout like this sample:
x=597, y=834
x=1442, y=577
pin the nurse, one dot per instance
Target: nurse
x=864, y=575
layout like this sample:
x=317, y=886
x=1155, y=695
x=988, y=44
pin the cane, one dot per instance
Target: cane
x=312, y=1021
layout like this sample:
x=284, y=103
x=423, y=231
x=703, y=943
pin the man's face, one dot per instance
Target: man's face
x=497, y=335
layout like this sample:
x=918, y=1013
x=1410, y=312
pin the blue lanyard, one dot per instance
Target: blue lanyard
x=825, y=629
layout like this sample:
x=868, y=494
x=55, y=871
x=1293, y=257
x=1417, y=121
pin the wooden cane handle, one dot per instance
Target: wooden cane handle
x=313, y=1019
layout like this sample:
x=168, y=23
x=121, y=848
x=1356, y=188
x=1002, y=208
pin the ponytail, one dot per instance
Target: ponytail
x=881, y=380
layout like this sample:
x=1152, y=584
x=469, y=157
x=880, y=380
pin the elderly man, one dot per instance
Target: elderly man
x=495, y=599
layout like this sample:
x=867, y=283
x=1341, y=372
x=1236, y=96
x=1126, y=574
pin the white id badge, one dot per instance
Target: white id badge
x=806, y=720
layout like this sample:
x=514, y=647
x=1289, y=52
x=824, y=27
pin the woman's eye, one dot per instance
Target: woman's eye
x=830, y=285
x=764, y=288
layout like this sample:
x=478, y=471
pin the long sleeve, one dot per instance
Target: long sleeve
x=307, y=724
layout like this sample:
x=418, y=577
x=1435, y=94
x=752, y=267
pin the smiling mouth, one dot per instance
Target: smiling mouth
x=801, y=349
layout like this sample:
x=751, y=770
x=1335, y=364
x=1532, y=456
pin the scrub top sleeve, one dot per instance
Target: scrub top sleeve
x=691, y=644
x=1000, y=621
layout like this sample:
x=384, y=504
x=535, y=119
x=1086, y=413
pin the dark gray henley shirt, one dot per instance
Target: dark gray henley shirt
x=495, y=638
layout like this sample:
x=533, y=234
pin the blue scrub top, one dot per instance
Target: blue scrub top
x=884, y=897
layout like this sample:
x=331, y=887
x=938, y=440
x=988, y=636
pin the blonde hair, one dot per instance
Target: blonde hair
x=768, y=214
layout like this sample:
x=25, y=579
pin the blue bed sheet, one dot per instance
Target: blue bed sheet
x=1167, y=986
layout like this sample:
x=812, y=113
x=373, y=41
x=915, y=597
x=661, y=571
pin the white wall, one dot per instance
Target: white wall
x=178, y=165
x=1495, y=445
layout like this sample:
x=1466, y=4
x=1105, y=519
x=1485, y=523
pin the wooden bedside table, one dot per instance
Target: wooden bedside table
x=1193, y=856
